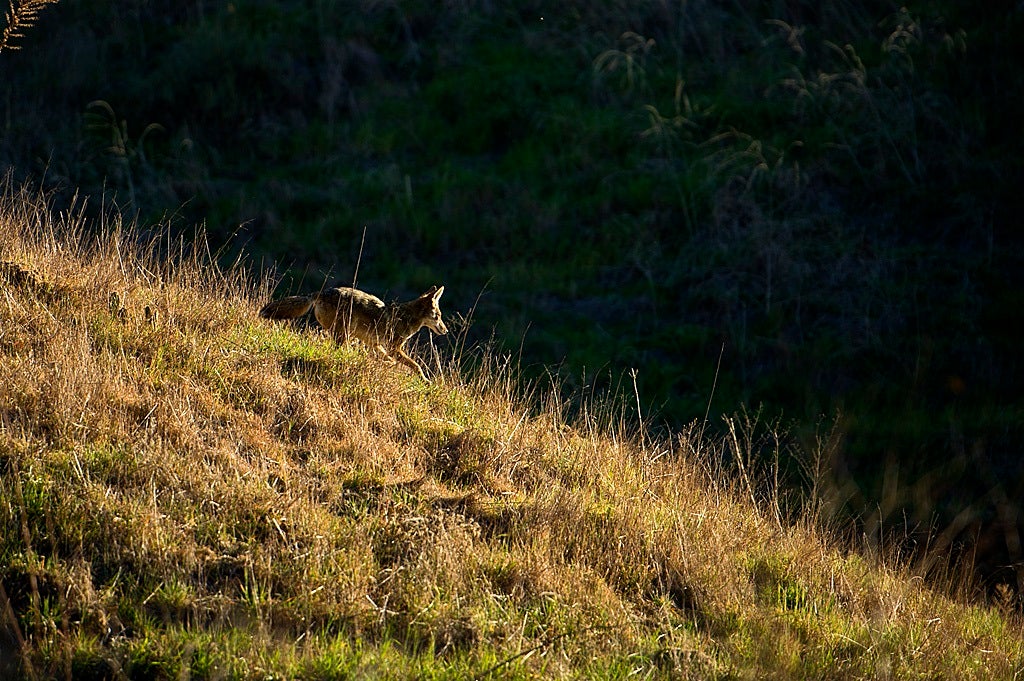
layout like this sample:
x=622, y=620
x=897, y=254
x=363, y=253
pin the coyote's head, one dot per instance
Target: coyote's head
x=431, y=311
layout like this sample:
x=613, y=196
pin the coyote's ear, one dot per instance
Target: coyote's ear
x=430, y=293
x=437, y=292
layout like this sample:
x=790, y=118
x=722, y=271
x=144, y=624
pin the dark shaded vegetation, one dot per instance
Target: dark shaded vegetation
x=826, y=196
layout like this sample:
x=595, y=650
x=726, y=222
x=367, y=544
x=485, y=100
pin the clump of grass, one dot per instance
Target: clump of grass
x=194, y=492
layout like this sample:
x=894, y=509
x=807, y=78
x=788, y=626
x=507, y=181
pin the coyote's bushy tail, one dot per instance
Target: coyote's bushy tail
x=288, y=307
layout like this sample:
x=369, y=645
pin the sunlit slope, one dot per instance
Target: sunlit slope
x=187, y=491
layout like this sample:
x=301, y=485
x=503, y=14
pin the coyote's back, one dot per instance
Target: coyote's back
x=289, y=307
x=345, y=312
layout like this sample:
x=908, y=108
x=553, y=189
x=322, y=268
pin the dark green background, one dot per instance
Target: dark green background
x=824, y=195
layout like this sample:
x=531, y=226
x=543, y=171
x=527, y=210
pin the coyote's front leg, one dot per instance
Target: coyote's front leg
x=398, y=353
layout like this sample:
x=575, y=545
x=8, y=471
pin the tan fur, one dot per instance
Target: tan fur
x=348, y=312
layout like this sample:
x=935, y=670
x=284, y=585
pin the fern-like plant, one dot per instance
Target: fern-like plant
x=19, y=17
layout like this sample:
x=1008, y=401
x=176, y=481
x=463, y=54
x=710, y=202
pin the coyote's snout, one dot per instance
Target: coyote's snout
x=350, y=312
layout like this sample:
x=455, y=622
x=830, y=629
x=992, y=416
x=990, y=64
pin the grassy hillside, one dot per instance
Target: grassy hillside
x=188, y=491
x=823, y=195
x=824, y=198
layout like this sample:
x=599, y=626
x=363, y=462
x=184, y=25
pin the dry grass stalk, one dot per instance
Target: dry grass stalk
x=21, y=16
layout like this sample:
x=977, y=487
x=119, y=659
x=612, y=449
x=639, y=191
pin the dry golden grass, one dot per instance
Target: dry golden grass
x=187, y=491
x=20, y=17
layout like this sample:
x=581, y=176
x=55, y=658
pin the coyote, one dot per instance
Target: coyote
x=347, y=311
